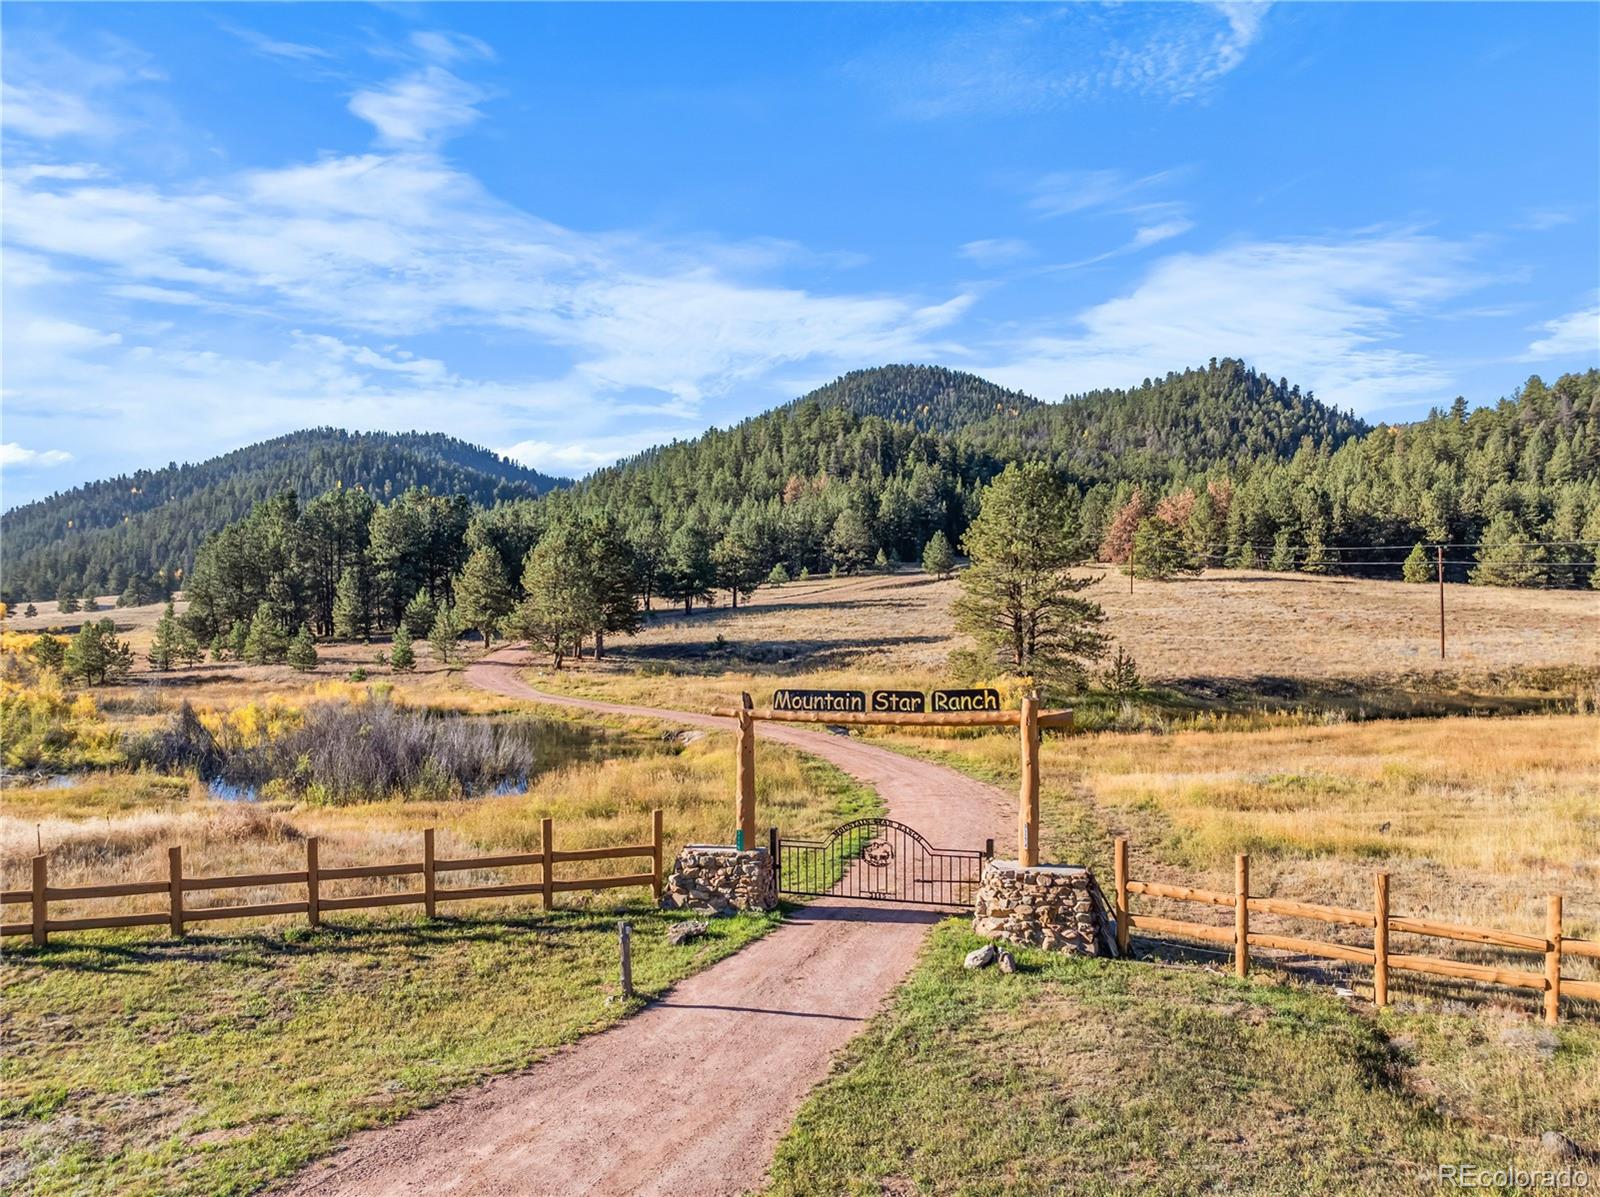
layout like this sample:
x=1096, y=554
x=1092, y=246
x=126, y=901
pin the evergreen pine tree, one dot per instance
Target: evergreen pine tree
x=352, y=619
x=1019, y=597
x=444, y=633
x=66, y=601
x=1505, y=555
x=483, y=595
x=264, y=643
x=237, y=638
x=90, y=601
x=30, y=611
x=302, y=651
x=778, y=576
x=402, y=658
x=1417, y=567
x=49, y=652
x=938, y=558
x=419, y=614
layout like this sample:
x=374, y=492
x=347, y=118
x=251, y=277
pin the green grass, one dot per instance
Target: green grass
x=219, y=1063
x=1092, y=1076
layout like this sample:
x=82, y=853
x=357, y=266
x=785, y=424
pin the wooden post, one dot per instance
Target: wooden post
x=429, y=880
x=175, y=887
x=655, y=845
x=1028, y=797
x=41, y=900
x=1440, y=556
x=1119, y=869
x=313, y=884
x=745, y=781
x=625, y=938
x=1552, y=961
x=547, y=832
x=1241, y=915
x=1380, y=939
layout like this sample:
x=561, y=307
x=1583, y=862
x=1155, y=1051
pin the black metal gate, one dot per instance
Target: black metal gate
x=879, y=859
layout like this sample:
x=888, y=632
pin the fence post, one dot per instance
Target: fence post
x=1119, y=869
x=773, y=857
x=625, y=937
x=1028, y=799
x=41, y=900
x=313, y=884
x=429, y=891
x=1241, y=915
x=745, y=781
x=1380, y=939
x=1552, y=961
x=175, y=887
x=547, y=866
x=655, y=851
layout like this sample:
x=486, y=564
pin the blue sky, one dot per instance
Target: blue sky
x=572, y=232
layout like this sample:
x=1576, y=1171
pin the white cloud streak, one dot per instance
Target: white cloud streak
x=1324, y=313
x=1575, y=335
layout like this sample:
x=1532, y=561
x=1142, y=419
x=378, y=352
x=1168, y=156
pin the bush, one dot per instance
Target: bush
x=44, y=727
x=339, y=752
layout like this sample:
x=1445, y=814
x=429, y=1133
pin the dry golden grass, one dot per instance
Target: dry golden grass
x=1226, y=623
x=114, y=828
x=1476, y=820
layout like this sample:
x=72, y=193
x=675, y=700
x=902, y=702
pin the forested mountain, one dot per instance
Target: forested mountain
x=1222, y=415
x=929, y=398
x=97, y=536
x=1225, y=465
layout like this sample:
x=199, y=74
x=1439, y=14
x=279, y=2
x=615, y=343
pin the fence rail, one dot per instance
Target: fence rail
x=1553, y=945
x=179, y=913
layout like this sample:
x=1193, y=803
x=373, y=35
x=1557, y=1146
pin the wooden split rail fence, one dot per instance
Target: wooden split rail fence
x=1552, y=945
x=178, y=913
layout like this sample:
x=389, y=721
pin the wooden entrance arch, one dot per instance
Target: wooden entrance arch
x=1029, y=721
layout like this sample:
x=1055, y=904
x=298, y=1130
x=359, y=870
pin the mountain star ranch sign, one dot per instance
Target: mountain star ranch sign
x=903, y=702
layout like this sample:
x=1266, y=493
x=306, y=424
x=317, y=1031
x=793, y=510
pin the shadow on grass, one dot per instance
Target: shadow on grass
x=258, y=948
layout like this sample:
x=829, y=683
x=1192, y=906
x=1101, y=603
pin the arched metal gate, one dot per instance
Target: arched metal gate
x=880, y=859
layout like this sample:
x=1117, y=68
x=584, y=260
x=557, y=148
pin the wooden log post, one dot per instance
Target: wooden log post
x=41, y=900
x=1241, y=915
x=1380, y=939
x=1119, y=869
x=655, y=852
x=430, y=879
x=313, y=884
x=1028, y=796
x=625, y=943
x=175, y=888
x=745, y=782
x=1552, y=961
x=547, y=867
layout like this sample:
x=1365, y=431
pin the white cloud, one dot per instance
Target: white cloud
x=445, y=46
x=276, y=48
x=1038, y=58
x=62, y=335
x=996, y=251
x=1577, y=334
x=1062, y=192
x=419, y=108
x=1156, y=233
x=47, y=112
x=13, y=455
x=1325, y=313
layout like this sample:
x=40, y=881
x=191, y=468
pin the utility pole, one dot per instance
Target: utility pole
x=1439, y=550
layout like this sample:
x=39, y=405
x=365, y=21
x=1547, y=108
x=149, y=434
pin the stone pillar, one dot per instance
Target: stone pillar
x=1056, y=907
x=716, y=879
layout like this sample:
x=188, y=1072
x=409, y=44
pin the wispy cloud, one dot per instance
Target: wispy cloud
x=299, y=287
x=1577, y=334
x=996, y=251
x=1326, y=313
x=1040, y=58
x=14, y=456
x=420, y=108
x=273, y=47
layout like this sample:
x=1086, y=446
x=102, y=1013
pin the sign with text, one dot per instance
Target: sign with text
x=965, y=700
x=898, y=702
x=836, y=702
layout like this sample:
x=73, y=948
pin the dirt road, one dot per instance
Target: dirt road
x=690, y=1096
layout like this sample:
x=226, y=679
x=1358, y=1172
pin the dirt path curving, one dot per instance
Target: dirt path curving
x=691, y=1095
